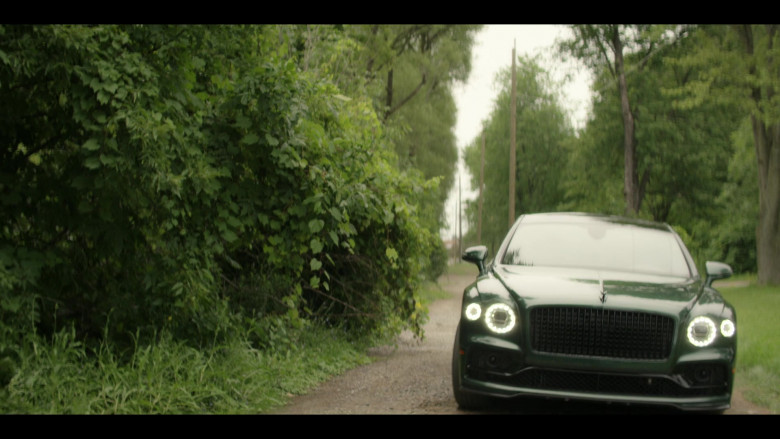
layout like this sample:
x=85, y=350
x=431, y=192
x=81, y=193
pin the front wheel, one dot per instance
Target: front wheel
x=466, y=400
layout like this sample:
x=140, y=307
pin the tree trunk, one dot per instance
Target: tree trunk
x=767, y=140
x=389, y=100
x=389, y=92
x=630, y=179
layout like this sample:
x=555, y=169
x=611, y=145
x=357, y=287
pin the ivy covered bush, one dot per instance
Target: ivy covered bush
x=193, y=178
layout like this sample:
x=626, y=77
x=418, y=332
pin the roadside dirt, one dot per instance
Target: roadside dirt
x=414, y=377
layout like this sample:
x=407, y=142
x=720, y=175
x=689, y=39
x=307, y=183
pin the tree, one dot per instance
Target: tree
x=741, y=64
x=605, y=47
x=685, y=151
x=734, y=236
x=408, y=71
x=413, y=68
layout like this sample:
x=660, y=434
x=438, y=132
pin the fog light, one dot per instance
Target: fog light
x=702, y=374
x=491, y=360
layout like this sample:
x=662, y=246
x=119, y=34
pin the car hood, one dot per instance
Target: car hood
x=542, y=286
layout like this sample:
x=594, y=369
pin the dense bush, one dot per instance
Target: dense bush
x=192, y=178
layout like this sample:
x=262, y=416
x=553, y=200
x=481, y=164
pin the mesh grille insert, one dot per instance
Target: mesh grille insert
x=601, y=333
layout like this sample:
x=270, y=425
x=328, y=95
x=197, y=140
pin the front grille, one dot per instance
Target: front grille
x=601, y=333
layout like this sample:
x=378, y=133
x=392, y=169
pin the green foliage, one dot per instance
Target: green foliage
x=732, y=64
x=195, y=178
x=408, y=72
x=686, y=155
x=413, y=70
x=104, y=212
x=438, y=262
x=594, y=180
x=734, y=238
x=737, y=65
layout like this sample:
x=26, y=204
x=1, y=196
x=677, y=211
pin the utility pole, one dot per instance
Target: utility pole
x=512, y=147
x=460, y=230
x=481, y=183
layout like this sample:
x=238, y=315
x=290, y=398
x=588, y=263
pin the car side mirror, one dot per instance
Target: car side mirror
x=476, y=255
x=717, y=270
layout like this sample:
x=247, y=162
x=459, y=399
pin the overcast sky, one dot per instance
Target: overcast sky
x=492, y=51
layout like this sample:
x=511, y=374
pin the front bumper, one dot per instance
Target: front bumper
x=701, y=381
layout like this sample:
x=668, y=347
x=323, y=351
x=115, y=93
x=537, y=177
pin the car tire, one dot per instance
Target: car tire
x=466, y=400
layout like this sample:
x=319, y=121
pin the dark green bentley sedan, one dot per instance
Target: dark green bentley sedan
x=593, y=307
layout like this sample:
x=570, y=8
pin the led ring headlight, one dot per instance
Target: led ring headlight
x=500, y=318
x=701, y=331
x=473, y=311
x=727, y=328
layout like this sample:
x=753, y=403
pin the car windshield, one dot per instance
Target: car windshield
x=597, y=245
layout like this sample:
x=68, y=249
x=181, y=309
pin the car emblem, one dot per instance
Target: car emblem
x=603, y=297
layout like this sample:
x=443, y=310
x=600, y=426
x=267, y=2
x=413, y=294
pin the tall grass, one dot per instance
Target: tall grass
x=165, y=376
x=758, y=342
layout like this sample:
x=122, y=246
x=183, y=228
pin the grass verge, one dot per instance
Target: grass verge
x=61, y=376
x=463, y=268
x=165, y=376
x=758, y=342
x=431, y=292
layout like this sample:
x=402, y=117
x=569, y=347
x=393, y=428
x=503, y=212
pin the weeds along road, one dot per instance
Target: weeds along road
x=414, y=377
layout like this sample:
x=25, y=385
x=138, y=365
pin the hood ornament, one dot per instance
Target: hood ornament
x=603, y=297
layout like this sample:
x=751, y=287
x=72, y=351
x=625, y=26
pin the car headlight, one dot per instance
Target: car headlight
x=727, y=328
x=473, y=311
x=702, y=331
x=500, y=318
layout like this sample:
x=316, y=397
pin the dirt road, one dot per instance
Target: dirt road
x=415, y=378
